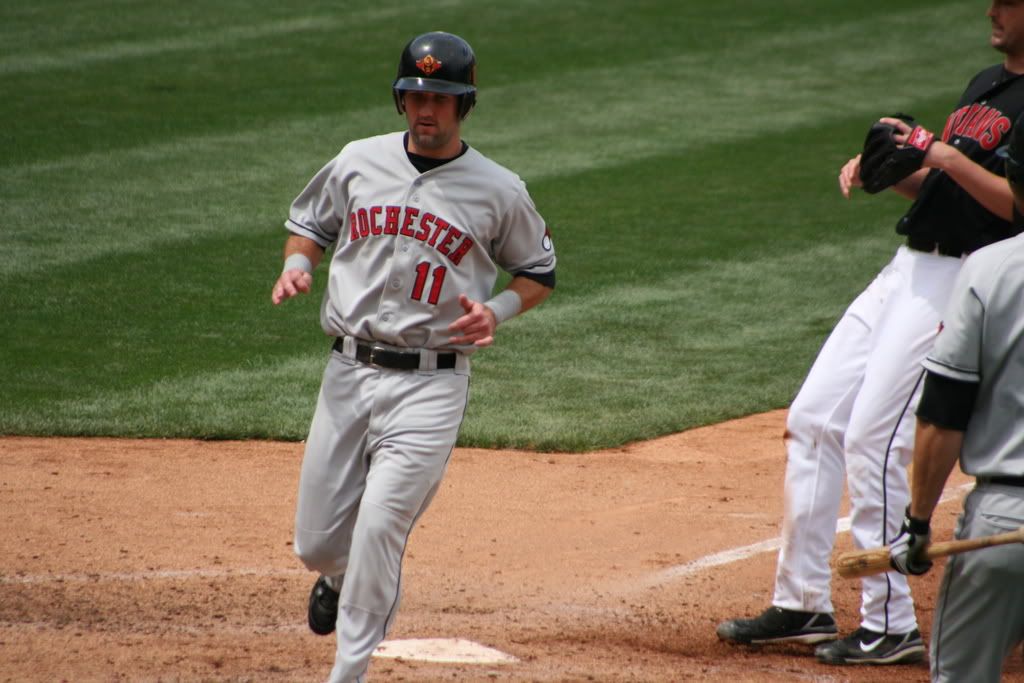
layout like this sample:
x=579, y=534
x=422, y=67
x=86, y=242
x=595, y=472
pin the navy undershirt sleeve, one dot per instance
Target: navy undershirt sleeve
x=946, y=402
x=546, y=279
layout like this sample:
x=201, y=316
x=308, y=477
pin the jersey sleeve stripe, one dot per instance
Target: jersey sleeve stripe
x=951, y=371
x=311, y=233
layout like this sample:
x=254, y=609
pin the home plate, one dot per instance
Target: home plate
x=450, y=650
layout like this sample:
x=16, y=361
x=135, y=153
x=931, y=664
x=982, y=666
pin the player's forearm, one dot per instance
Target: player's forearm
x=936, y=451
x=988, y=189
x=531, y=292
x=296, y=244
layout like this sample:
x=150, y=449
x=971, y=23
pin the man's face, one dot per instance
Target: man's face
x=1007, y=18
x=433, y=122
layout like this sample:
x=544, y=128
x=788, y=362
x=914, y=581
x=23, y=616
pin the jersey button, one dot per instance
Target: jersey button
x=396, y=284
x=386, y=317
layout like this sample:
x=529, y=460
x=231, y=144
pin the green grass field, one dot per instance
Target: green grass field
x=684, y=153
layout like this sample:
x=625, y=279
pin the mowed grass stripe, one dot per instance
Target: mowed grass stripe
x=217, y=37
x=131, y=200
x=682, y=376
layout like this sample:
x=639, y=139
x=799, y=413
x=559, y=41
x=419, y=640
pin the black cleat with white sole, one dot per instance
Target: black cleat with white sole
x=778, y=625
x=869, y=647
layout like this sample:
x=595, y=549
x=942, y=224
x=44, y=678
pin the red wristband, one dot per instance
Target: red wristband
x=920, y=138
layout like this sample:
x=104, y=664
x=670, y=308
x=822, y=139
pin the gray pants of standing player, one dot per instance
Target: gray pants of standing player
x=979, y=617
x=377, y=449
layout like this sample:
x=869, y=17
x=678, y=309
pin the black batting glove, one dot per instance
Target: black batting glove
x=906, y=553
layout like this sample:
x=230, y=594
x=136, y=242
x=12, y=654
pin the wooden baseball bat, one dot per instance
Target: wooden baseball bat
x=858, y=563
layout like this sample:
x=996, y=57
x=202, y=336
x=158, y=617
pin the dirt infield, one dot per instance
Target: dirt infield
x=130, y=560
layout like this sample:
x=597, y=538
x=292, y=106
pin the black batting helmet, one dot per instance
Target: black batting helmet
x=1014, y=155
x=438, y=62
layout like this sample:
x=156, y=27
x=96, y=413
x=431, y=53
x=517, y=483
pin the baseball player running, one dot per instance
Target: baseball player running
x=853, y=416
x=971, y=409
x=420, y=222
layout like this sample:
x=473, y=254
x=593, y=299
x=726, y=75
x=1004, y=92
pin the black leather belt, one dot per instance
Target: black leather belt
x=1005, y=481
x=929, y=246
x=396, y=360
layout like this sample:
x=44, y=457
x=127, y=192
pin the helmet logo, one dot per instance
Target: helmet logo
x=428, y=64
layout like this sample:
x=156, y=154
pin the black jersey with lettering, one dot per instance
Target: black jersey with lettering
x=945, y=215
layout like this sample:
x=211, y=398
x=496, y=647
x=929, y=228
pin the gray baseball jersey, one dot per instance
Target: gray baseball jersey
x=410, y=243
x=979, y=617
x=980, y=342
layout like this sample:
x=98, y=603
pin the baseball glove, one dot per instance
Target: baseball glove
x=883, y=162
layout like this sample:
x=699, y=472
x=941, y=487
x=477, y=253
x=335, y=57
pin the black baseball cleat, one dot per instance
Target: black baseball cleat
x=868, y=647
x=323, y=608
x=778, y=625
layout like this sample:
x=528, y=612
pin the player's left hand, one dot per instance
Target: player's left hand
x=934, y=149
x=477, y=325
x=906, y=553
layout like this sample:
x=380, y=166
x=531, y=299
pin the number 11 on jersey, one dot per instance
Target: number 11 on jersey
x=422, y=273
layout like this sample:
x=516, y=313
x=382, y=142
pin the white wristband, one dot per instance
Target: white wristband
x=298, y=261
x=506, y=305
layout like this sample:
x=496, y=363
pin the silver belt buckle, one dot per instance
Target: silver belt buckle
x=373, y=354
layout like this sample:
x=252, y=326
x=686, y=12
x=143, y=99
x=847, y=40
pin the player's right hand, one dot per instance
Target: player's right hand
x=290, y=284
x=477, y=326
x=906, y=553
x=849, y=176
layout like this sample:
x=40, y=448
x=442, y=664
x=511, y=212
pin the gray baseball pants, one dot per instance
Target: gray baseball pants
x=377, y=450
x=979, y=615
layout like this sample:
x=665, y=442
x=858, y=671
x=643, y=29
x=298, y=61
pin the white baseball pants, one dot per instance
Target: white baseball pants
x=854, y=417
x=377, y=449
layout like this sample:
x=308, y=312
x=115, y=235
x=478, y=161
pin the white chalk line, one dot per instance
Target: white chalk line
x=747, y=551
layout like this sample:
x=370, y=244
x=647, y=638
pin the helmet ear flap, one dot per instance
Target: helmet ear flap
x=466, y=104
